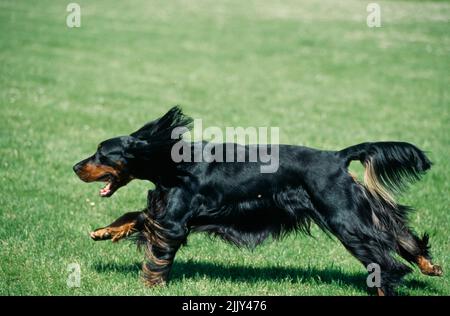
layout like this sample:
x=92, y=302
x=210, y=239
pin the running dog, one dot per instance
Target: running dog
x=238, y=203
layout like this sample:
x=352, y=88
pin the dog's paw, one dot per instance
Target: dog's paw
x=101, y=234
x=428, y=268
x=113, y=233
x=436, y=270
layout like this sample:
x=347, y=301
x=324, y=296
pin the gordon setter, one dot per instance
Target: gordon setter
x=238, y=203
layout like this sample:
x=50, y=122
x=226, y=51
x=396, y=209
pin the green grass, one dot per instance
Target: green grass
x=313, y=68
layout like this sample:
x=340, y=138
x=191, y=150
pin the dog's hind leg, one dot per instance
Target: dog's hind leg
x=370, y=246
x=410, y=247
x=348, y=215
x=416, y=250
x=122, y=227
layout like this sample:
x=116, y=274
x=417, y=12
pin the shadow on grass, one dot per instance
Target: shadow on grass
x=191, y=269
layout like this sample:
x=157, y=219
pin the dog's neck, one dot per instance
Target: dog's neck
x=159, y=168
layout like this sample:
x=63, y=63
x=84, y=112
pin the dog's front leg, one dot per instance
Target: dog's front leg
x=162, y=243
x=165, y=231
x=122, y=227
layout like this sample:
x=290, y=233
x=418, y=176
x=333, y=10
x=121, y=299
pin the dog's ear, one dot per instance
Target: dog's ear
x=135, y=148
x=162, y=127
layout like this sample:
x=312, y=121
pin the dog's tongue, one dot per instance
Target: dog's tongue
x=106, y=190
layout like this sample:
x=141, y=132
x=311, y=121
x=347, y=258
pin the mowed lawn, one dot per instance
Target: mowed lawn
x=312, y=68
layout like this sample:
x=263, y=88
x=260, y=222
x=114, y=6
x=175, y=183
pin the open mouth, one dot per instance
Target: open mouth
x=110, y=187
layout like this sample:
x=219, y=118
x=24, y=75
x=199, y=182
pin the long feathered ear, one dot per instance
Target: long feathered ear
x=135, y=148
x=161, y=129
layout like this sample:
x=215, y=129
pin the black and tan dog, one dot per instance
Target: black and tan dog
x=244, y=206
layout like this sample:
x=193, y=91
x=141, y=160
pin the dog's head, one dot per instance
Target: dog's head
x=109, y=164
x=119, y=160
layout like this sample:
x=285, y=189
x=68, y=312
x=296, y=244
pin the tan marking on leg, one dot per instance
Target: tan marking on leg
x=152, y=277
x=113, y=233
x=156, y=271
x=428, y=268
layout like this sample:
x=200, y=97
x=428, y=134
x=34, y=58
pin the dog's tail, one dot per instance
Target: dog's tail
x=389, y=166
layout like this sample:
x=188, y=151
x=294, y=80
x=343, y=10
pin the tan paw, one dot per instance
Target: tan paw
x=435, y=270
x=428, y=268
x=101, y=234
x=113, y=233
